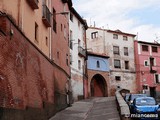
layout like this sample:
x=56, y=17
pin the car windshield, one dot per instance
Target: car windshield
x=145, y=101
x=138, y=95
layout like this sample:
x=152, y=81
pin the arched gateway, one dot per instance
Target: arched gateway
x=98, y=86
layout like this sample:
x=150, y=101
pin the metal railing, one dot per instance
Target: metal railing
x=81, y=51
x=46, y=15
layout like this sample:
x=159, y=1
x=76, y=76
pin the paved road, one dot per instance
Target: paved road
x=103, y=108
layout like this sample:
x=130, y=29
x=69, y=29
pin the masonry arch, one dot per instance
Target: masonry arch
x=98, y=86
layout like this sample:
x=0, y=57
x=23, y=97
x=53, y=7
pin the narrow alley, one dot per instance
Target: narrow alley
x=99, y=108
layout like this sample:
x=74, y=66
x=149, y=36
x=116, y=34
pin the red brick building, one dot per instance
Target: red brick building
x=147, y=56
x=60, y=48
x=34, y=84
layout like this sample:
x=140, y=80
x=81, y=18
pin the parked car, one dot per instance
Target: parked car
x=126, y=97
x=133, y=96
x=146, y=106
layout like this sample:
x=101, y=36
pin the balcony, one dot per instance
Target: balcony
x=46, y=18
x=81, y=51
x=33, y=4
x=153, y=69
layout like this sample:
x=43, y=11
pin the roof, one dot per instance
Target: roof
x=114, y=31
x=68, y=1
x=97, y=54
x=120, y=32
x=149, y=43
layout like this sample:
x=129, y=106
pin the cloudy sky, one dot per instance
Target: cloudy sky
x=140, y=17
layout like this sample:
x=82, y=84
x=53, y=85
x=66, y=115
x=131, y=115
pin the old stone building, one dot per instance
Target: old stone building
x=119, y=46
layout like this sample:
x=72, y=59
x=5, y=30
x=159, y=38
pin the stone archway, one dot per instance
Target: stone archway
x=98, y=86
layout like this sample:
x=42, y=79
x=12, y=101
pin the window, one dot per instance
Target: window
x=71, y=59
x=79, y=42
x=145, y=87
x=144, y=48
x=71, y=17
x=146, y=63
x=36, y=31
x=78, y=24
x=61, y=27
x=46, y=41
x=58, y=55
x=67, y=59
x=115, y=36
x=94, y=35
x=152, y=61
x=126, y=51
x=79, y=64
x=98, y=64
x=116, y=50
x=117, y=64
x=65, y=32
x=71, y=44
x=157, y=78
x=126, y=64
x=71, y=39
x=125, y=38
x=54, y=21
x=118, y=78
x=154, y=49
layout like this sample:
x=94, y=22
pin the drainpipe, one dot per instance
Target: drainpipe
x=50, y=37
x=104, y=43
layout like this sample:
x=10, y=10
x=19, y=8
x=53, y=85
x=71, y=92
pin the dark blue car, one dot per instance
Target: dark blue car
x=145, y=108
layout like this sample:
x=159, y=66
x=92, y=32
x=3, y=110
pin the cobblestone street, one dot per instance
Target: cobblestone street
x=91, y=109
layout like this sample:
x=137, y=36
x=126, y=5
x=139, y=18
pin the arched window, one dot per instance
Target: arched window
x=98, y=64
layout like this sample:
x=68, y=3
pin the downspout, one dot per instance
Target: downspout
x=50, y=37
x=104, y=43
x=85, y=68
x=18, y=17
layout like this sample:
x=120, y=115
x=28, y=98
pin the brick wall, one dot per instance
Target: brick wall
x=105, y=75
x=27, y=78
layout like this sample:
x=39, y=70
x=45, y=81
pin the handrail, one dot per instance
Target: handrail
x=122, y=106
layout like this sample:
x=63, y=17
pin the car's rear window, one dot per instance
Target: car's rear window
x=145, y=101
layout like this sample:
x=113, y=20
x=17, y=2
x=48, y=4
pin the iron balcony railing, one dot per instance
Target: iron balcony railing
x=81, y=51
x=46, y=16
x=33, y=3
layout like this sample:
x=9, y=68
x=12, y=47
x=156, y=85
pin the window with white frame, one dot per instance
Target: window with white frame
x=146, y=63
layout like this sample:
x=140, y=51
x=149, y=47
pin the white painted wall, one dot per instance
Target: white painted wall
x=78, y=32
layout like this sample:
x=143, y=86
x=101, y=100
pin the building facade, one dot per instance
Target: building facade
x=98, y=75
x=37, y=15
x=119, y=46
x=78, y=55
x=148, y=67
x=35, y=59
x=60, y=50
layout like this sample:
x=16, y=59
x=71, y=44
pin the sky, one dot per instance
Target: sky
x=139, y=17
